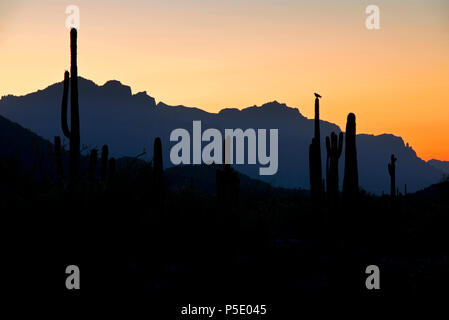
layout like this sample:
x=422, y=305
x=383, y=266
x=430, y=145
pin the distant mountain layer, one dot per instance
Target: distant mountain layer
x=441, y=165
x=31, y=154
x=111, y=114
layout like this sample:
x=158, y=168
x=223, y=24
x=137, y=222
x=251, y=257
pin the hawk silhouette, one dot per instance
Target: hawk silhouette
x=317, y=95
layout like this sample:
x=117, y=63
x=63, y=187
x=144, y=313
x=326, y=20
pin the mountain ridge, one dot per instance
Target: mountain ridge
x=128, y=123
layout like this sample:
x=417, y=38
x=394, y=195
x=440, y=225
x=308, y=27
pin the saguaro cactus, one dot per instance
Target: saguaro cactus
x=334, y=148
x=392, y=172
x=74, y=133
x=316, y=177
x=318, y=137
x=351, y=178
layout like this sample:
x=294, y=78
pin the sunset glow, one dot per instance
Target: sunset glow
x=216, y=54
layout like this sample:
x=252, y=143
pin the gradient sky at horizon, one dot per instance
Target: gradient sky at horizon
x=213, y=54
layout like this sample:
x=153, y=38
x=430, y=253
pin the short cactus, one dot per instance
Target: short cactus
x=392, y=173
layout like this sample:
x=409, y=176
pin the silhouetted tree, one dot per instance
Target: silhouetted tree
x=351, y=177
x=74, y=133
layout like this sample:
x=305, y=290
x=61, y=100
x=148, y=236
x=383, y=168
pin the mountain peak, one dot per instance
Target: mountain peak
x=275, y=108
x=115, y=87
x=273, y=104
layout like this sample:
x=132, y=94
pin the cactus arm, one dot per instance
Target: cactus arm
x=65, y=127
x=328, y=145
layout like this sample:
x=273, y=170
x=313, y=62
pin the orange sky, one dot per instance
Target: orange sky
x=213, y=54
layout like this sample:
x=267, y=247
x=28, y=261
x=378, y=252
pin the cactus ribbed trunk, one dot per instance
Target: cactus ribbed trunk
x=351, y=178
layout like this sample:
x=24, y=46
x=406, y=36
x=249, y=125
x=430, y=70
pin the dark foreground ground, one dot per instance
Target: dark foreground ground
x=184, y=245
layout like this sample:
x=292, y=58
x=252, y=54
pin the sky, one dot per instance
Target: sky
x=237, y=53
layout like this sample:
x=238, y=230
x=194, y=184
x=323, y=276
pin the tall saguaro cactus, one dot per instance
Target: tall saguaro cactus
x=73, y=134
x=392, y=172
x=316, y=177
x=351, y=178
x=334, y=148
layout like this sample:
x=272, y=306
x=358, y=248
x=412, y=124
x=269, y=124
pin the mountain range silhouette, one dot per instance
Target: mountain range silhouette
x=129, y=123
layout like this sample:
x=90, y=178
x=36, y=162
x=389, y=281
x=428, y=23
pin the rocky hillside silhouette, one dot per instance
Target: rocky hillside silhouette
x=110, y=114
x=26, y=151
x=440, y=165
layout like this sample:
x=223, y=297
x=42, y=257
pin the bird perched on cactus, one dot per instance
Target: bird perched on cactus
x=73, y=134
x=392, y=172
x=334, y=149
